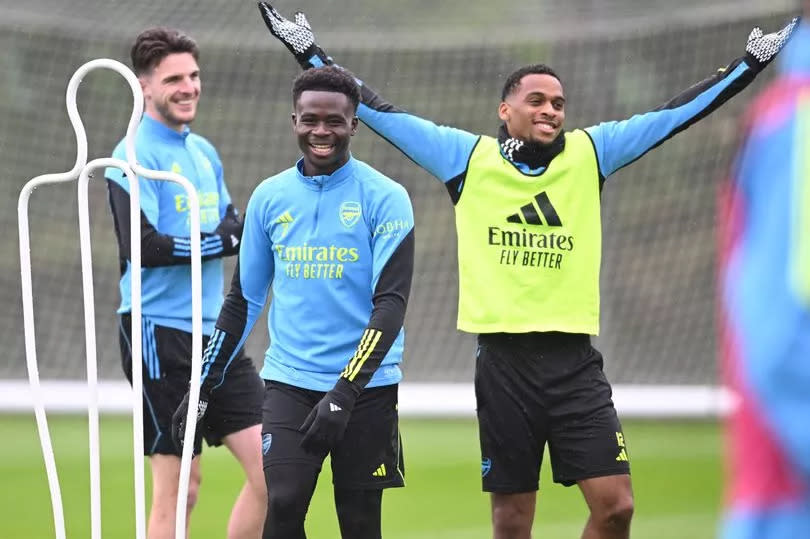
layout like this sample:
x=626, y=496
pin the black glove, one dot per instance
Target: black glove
x=179, y=420
x=324, y=426
x=761, y=49
x=297, y=36
x=230, y=229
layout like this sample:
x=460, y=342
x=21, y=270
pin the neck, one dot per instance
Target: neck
x=310, y=169
x=533, y=154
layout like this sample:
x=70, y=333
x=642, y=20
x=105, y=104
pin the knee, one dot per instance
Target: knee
x=511, y=520
x=617, y=514
x=286, y=501
x=257, y=487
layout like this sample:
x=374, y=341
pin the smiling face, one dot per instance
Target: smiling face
x=535, y=110
x=323, y=123
x=172, y=89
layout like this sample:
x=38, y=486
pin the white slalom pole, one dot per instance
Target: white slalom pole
x=82, y=170
x=196, y=335
x=28, y=301
x=90, y=341
x=89, y=305
x=131, y=168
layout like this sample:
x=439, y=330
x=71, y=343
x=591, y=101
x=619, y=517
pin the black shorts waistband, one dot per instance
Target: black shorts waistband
x=536, y=339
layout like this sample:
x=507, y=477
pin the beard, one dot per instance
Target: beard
x=165, y=111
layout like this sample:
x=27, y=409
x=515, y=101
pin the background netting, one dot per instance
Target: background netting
x=442, y=60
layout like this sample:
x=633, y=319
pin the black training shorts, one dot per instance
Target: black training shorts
x=370, y=454
x=544, y=388
x=235, y=405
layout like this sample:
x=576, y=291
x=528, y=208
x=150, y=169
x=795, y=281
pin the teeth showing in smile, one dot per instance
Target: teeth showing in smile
x=321, y=148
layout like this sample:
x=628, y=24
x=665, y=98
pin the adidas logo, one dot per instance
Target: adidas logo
x=380, y=471
x=622, y=451
x=285, y=221
x=334, y=407
x=202, y=406
x=528, y=214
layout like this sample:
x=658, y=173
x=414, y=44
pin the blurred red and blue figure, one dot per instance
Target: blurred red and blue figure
x=765, y=308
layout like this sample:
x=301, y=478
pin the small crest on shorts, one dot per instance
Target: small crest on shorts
x=486, y=466
x=349, y=213
x=267, y=440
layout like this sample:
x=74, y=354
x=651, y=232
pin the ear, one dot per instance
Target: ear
x=293, y=118
x=503, y=111
x=355, y=121
x=144, y=82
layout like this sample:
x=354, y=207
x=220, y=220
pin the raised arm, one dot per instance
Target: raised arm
x=620, y=143
x=443, y=151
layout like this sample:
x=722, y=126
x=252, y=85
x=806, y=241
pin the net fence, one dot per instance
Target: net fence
x=441, y=60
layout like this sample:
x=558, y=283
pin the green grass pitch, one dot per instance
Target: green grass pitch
x=677, y=475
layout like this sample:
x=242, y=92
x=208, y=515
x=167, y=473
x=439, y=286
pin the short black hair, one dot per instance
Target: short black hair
x=154, y=44
x=513, y=80
x=327, y=79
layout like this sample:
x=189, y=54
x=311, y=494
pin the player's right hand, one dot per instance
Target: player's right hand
x=326, y=423
x=179, y=420
x=296, y=35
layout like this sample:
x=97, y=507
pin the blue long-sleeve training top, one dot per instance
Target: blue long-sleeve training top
x=445, y=151
x=337, y=251
x=165, y=225
x=529, y=233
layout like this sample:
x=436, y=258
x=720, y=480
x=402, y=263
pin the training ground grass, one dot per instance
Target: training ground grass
x=676, y=477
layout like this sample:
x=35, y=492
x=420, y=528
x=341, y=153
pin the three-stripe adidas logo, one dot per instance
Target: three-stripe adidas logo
x=285, y=221
x=334, y=407
x=622, y=457
x=367, y=344
x=531, y=217
x=380, y=471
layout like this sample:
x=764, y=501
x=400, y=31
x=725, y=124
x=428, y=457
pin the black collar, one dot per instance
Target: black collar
x=533, y=154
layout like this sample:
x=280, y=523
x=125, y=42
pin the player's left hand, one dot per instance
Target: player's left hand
x=230, y=229
x=296, y=35
x=326, y=423
x=762, y=48
x=179, y=420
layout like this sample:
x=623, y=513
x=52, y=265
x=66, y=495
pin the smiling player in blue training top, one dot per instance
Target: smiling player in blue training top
x=334, y=239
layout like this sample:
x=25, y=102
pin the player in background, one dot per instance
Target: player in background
x=334, y=239
x=165, y=62
x=765, y=308
x=527, y=206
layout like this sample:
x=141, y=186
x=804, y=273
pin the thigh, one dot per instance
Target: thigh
x=586, y=439
x=370, y=455
x=237, y=403
x=284, y=410
x=166, y=374
x=511, y=424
